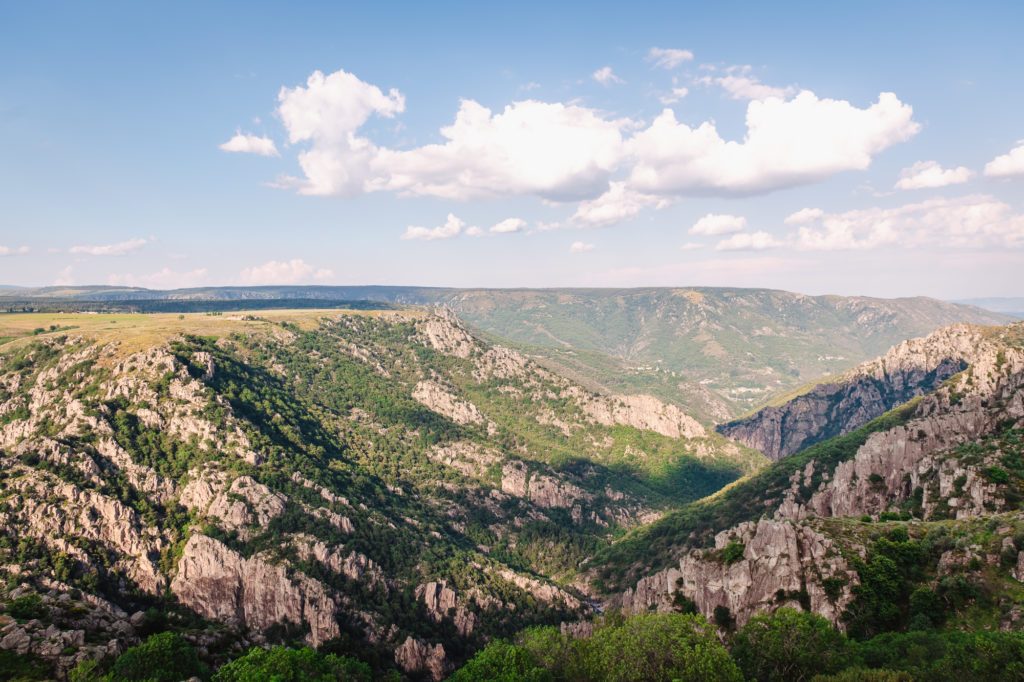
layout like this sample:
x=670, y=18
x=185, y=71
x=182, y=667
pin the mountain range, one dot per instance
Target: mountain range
x=404, y=483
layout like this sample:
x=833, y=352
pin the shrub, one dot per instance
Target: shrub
x=27, y=607
x=996, y=474
x=732, y=553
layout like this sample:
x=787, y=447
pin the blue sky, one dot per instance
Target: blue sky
x=861, y=149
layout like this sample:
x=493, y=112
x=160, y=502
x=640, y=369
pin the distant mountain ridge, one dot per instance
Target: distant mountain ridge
x=717, y=352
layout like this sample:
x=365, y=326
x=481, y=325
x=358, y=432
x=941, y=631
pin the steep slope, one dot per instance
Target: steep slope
x=944, y=473
x=855, y=397
x=380, y=484
x=716, y=352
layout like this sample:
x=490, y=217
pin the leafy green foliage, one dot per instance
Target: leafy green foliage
x=652, y=647
x=501, y=661
x=281, y=664
x=165, y=657
x=16, y=667
x=789, y=645
x=27, y=607
x=732, y=553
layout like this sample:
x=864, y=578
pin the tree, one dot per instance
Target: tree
x=283, y=664
x=789, y=645
x=165, y=657
x=501, y=661
x=664, y=646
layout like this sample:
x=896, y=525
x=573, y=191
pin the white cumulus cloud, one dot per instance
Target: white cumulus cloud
x=929, y=175
x=250, y=144
x=668, y=58
x=580, y=247
x=570, y=153
x=975, y=221
x=746, y=241
x=118, y=249
x=294, y=271
x=327, y=113
x=552, y=150
x=605, y=77
x=13, y=250
x=451, y=228
x=1008, y=165
x=788, y=143
x=719, y=224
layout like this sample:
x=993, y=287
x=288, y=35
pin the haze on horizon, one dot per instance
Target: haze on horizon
x=867, y=149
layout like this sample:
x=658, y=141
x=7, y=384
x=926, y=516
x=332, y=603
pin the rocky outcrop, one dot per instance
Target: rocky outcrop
x=471, y=459
x=543, y=490
x=443, y=602
x=51, y=511
x=415, y=656
x=444, y=333
x=780, y=560
x=892, y=464
x=644, y=412
x=852, y=399
x=71, y=631
x=220, y=584
x=436, y=397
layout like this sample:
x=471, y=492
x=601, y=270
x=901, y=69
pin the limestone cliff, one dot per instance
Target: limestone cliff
x=853, y=398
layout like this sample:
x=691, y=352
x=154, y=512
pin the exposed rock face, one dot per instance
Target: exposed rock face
x=86, y=513
x=219, y=584
x=919, y=458
x=644, y=412
x=543, y=490
x=442, y=602
x=444, y=333
x=414, y=656
x=469, y=458
x=777, y=555
x=436, y=397
x=854, y=398
x=892, y=464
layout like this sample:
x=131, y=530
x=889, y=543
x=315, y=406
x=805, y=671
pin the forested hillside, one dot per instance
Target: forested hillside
x=379, y=484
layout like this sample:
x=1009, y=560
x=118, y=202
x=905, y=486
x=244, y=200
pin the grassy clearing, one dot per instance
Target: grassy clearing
x=135, y=332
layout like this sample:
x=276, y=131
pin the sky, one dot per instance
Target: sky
x=870, y=148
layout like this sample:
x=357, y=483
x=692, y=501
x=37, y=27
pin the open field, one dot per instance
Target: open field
x=138, y=331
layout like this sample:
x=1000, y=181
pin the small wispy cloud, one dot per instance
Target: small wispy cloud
x=668, y=58
x=605, y=77
x=930, y=175
x=118, y=249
